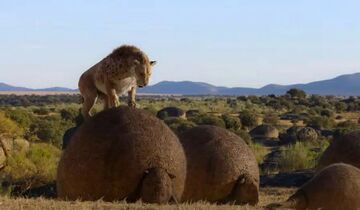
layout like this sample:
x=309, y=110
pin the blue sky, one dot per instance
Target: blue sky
x=231, y=43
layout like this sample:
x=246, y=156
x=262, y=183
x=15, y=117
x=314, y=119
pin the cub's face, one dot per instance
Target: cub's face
x=143, y=73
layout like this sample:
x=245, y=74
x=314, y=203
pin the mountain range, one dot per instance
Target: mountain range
x=344, y=85
x=7, y=87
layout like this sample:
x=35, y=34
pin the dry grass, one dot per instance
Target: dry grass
x=354, y=116
x=267, y=196
x=288, y=123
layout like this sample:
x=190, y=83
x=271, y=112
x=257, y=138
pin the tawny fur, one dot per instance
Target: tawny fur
x=221, y=167
x=126, y=68
x=109, y=154
x=345, y=149
x=336, y=187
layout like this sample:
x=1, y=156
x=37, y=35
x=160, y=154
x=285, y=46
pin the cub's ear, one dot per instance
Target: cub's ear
x=152, y=63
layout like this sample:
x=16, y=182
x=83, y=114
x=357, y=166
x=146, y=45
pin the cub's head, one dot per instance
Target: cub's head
x=143, y=72
x=131, y=61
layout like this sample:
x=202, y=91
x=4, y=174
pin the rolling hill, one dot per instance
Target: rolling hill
x=7, y=87
x=344, y=85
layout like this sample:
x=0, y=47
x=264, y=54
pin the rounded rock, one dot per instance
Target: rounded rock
x=221, y=167
x=345, y=149
x=119, y=153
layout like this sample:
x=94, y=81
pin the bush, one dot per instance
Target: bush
x=347, y=124
x=327, y=113
x=271, y=118
x=9, y=128
x=244, y=135
x=50, y=129
x=259, y=151
x=300, y=156
x=21, y=116
x=248, y=119
x=231, y=123
x=296, y=93
x=152, y=110
x=69, y=114
x=320, y=122
x=41, y=111
x=345, y=127
x=37, y=165
x=207, y=119
x=340, y=106
x=45, y=158
x=179, y=125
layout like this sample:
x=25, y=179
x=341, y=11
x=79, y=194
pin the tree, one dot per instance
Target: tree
x=232, y=123
x=271, y=118
x=296, y=93
x=248, y=119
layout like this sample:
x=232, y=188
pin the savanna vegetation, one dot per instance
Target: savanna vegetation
x=32, y=128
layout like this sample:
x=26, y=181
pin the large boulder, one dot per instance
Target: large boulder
x=297, y=133
x=264, y=132
x=122, y=153
x=335, y=187
x=67, y=136
x=307, y=134
x=221, y=167
x=345, y=149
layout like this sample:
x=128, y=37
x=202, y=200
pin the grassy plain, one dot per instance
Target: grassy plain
x=267, y=196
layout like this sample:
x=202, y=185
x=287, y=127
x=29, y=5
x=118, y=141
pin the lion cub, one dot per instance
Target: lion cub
x=120, y=72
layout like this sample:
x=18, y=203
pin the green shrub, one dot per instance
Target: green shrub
x=69, y=114
x=41, y=111
x=297, y=156
x=244, y=135
x=260, y=152
x=327, y=113
x=207, y=119
x=340, y=106
x=296, y=93
x=248, y=119
x=179, y=125
x=21, y=116
x=38, y=164
x=50, y=129
x=8, y=127
x=231, y=123
x=45, y=157
x=320, y=122
x=345, y=127
x=271, y=119
x=152, y=110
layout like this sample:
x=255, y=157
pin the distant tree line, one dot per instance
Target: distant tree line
x=37, y=100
